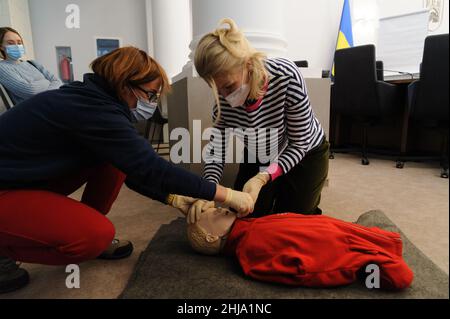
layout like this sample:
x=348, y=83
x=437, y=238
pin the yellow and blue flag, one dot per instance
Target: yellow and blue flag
x=345, y=37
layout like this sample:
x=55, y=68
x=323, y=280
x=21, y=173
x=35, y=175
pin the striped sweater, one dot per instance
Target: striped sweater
x=284, y=108
x=23, y=80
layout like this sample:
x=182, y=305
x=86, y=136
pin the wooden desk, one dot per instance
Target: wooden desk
x=404, y=81
x=402, y=78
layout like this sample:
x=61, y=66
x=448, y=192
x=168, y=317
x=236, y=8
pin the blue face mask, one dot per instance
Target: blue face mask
x=144, y=110
x=15, y=52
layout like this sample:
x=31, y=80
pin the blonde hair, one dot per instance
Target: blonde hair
x=224, y=50
x=202, y=242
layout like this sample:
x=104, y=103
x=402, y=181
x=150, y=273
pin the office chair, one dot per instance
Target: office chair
x=357, y=94
x=5, y=100
x=301, y=64
x=157, y=120
x=428, y=97
x=380, y=70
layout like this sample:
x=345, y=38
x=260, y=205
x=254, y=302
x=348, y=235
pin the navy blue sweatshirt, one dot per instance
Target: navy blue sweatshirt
x=81, y=125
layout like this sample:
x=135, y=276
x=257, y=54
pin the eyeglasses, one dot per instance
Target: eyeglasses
x=153, y=97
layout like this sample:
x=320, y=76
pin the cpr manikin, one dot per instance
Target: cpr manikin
x=208, y=235
x=301, y=250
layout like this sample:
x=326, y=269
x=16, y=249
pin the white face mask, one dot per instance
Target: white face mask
x=238, y=97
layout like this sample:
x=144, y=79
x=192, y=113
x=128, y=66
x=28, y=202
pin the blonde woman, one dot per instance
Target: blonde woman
x=255, y=92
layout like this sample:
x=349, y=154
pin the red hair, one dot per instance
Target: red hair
x=129, y=66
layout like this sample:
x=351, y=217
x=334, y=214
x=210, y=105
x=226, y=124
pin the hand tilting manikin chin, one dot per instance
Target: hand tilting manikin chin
x=209, y=234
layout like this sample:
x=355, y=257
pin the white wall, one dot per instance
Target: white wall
x=149, y=23
x=365, y=21
x=311, y=30
x=99, y=18
x=15, y=14
x=5, y=19
x=312, y=26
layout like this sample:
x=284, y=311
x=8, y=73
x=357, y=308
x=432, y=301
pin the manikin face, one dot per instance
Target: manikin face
x=217, y=222
x=209, y=235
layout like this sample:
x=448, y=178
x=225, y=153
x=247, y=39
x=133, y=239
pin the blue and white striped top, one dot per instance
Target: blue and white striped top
x=285, y=108
x=23, y=80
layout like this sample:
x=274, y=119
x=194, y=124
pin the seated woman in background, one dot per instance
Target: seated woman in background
x=299, y=250
x=22, y=79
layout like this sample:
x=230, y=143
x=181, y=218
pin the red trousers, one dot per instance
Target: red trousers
x=47, y=227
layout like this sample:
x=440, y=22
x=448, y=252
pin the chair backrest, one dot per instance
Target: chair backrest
x=380, y=70
x=432, y=97
x=355, y=82
x=301, y=64
x=5, y=100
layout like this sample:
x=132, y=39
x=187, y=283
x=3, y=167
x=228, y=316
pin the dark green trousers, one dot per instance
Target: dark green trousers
x=298, y=191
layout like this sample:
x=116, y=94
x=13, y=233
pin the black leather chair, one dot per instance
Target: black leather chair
x=358, y=95
x=301, y=64
x=380, y=70
x=428, y=97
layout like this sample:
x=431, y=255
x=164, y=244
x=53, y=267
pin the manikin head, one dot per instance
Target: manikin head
x=209, y=235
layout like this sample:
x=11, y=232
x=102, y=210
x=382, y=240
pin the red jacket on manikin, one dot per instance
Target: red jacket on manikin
x=316, y=251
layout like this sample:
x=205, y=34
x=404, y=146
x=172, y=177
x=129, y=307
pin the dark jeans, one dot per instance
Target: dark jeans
x=298, y=191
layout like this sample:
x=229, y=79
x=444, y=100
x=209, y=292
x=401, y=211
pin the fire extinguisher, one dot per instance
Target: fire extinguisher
x=65, y=69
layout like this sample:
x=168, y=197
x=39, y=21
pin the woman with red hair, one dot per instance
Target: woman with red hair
x=56, y=141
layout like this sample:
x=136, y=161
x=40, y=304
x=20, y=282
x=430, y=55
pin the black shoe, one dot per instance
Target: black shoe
x=12, y=277
x=117, y=250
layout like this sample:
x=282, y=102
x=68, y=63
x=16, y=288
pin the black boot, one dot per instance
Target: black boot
x=12, y=277
x=118, y=249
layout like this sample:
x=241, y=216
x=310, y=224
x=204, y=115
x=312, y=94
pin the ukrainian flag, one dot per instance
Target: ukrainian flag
x=345, y=37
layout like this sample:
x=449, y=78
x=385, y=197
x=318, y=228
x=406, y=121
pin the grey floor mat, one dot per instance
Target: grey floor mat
x=168, y=268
